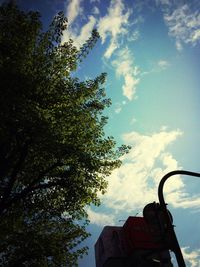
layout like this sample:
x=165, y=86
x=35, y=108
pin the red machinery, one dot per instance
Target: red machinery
x=140, y=235
x=134, y=244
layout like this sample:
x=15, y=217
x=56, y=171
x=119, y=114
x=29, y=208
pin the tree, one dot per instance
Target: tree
x=54, y=155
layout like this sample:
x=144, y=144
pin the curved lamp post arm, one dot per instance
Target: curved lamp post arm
x=174, y=241
x=161, y=185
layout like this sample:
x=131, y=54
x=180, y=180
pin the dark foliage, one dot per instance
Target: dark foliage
x=54, y=155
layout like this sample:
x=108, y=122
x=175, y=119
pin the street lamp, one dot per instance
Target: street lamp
x=170, y=233
x=142, y=241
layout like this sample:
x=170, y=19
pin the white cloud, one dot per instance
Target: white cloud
x=95, y=10
x=113, y=25
x=78, y=34
x=111, y=48
x=135, y=183
x=129, y=87
x=73, y=10
x=133, y=120
x=86, y=31
x=192, y=258
x=80, y=37
x=133, y=36
x=99, y=219
x=118, y=107
x=163, y=2
x=125, y=67
x=163, y=64
x=156, y=67
x=184, y=25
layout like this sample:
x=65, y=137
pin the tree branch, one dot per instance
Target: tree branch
x=16, y=170
x=29, y=190
x=45, y=172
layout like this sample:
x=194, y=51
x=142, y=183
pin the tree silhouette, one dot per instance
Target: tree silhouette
x=54, y=155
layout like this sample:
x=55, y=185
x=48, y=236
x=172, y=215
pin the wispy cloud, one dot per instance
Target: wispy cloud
x=73, y=9
x=124, y=64
x=93, y=1
x=156, y=67
x=163, y=2
x=133, y=120
x=133, y=36
x=95, y=10
x=86, y=30
x=184, y=24
x=119, y=106
x=135, y=183
x=163, y=64
x=113, y=25
x=79, y=34
x=100, y=219
x=192, y=257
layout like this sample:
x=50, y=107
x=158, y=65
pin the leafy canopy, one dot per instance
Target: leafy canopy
x=54, y=155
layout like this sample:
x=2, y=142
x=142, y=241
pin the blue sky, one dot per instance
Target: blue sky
x=150, y=50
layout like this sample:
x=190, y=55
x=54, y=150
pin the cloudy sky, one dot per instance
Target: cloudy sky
x=150, y=50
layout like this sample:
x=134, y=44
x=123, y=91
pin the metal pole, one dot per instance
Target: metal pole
x=175, y=245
